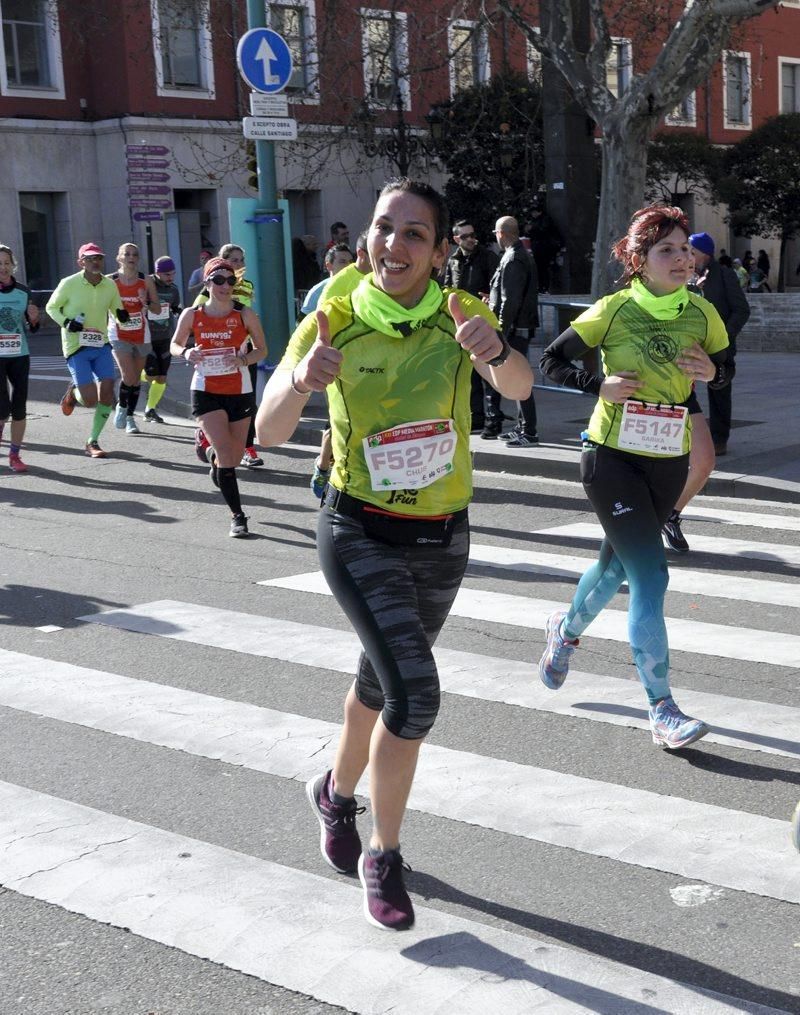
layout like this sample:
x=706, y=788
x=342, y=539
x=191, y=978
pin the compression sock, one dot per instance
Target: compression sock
x=229, y=489
x=13, y=449
x=133, y=398
x=155, y=394
x=101, y=414
x=124, y=392
x=143, y=377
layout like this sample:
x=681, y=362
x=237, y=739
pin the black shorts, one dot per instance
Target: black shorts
x=158, y=361
x=236, y=406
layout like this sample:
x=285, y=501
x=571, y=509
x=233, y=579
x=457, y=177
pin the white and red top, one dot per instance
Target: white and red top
x=220, y=340
x=136, y=329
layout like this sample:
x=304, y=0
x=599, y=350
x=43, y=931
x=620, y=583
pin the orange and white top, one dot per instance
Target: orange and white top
x=135, y=329
x=220, y=340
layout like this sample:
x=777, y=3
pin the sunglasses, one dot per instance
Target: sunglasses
x=466, y=236
x=222, y=280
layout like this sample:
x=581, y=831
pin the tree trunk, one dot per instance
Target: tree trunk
x=623, y=183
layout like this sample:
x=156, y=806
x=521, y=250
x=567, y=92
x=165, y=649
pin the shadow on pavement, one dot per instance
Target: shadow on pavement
x=33, y=606
x=651, y=959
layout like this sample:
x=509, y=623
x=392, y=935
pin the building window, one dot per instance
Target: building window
x=295, y=22
x=385, y=53
x=181, y=29
x=736, y=90
x=469, y=55
x=618, y=66
x=790, y=86
x=31, y=49
x=685, y=113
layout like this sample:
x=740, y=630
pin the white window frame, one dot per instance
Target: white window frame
x=622, y=45
x=401, y=40
x=674, y=118
x=55, y=59
x=310, y=94
x=205, y=54
x=795, y=62
x=533, y=60
x=479, y=51
x=747, y=123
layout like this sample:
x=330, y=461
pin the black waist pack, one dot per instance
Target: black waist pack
x=405, y=530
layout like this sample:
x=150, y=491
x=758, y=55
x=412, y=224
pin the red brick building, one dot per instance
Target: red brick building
x=119, y=117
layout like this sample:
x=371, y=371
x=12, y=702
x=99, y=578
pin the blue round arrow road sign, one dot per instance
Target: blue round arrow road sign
x=264, y=60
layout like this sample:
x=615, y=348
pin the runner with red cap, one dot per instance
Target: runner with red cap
x=81, y=305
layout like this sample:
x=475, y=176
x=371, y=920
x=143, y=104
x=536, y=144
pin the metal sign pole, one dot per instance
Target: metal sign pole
x=270, y=267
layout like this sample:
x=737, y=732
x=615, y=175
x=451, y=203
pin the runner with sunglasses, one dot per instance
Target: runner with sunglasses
x=223, y=401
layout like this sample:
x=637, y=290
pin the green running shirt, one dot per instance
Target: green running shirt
x=386, y=381
x=630, y=339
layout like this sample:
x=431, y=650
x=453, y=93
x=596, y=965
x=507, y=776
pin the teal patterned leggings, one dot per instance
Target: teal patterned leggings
x=632, y=496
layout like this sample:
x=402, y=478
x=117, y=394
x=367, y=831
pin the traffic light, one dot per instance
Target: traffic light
x=252, y=165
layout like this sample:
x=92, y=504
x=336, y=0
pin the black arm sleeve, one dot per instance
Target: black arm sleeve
x=556, y=363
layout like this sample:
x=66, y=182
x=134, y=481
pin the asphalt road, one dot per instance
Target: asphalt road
x=145, y=526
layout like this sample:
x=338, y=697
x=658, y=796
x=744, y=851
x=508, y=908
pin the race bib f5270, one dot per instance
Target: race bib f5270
x=410, y=455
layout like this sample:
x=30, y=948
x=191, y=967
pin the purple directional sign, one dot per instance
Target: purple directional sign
x=140, y=190
x=149, y=177
x=147, y=216
x=149, y=203
x=146, y=149
x=148, y=163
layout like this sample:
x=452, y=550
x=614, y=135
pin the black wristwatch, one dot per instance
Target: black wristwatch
x=501, y=357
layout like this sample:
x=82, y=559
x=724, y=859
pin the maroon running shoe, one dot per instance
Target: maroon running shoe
x=339, y=841
x=386, y=902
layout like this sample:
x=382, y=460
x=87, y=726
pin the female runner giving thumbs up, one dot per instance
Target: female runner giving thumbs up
x=395, y=358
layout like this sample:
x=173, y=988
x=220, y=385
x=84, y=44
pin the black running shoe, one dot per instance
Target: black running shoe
x=674, y=539
x=239, y=526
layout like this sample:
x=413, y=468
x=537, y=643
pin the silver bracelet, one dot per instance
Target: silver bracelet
x=297, y=391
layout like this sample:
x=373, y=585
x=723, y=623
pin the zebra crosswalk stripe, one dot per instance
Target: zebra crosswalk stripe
x=734, y=549
x=747, y=724
x=521, y=611
x=695, y=583
x=757, y=519
x=750, y=853
x=304, y=932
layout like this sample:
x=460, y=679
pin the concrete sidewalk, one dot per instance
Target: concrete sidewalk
x=763, y=459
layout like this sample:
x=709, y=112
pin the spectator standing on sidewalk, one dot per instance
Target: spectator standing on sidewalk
x=720, y=287
x=471, y=268
x=195, y=283
x=514, y=299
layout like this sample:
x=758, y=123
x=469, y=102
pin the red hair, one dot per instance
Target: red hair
x=648, y=227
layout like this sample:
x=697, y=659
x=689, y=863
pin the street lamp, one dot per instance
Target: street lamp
x=398, y=141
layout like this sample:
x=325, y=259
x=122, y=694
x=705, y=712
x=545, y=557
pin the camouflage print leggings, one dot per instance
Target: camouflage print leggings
x=397, y=598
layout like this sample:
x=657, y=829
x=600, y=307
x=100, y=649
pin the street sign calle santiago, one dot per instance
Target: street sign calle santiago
x=260, y=128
